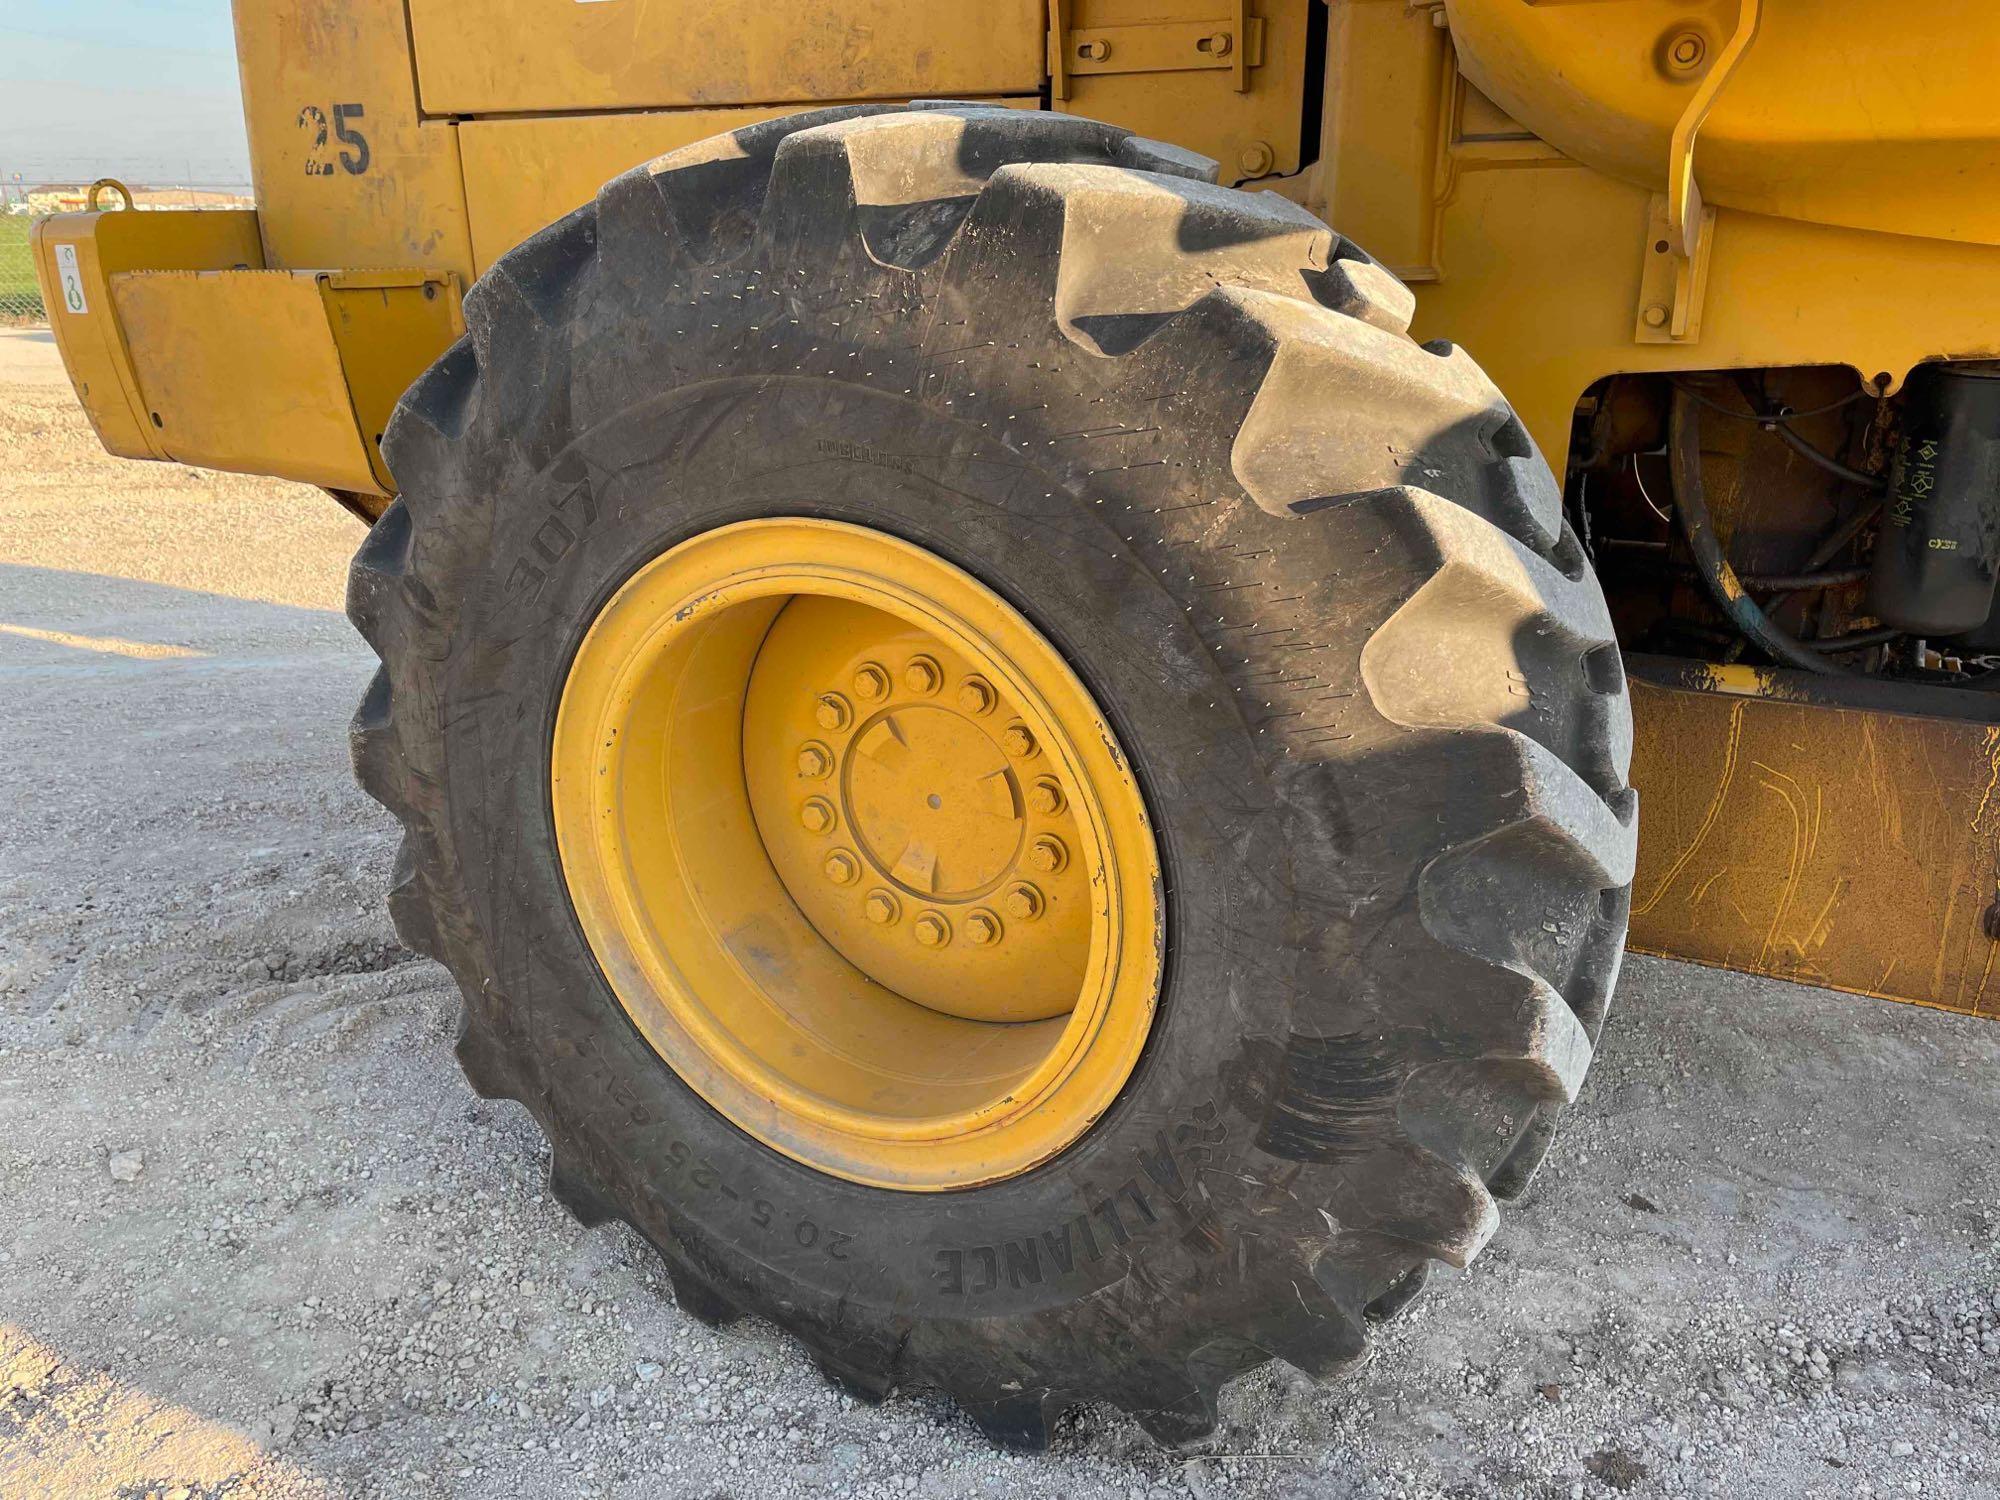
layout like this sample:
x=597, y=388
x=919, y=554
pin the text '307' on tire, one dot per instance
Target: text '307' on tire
x=1020, y=781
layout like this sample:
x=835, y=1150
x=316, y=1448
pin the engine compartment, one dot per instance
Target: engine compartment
x=1798, y=517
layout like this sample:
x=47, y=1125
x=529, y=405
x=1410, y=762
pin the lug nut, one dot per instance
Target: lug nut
x=975, y=695
x=932, y=930
x=922, y=676
x=1017, y=741
x=1046, y=797
x=1048, y=855
x=1023, y=903
x=982, y=928
x=881, y=908
x=832, y=712
x=840, y=867
x=817, y=815
x=871, y=683
x=814, y=761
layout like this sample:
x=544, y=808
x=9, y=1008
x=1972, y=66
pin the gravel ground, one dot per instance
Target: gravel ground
x=257, y=1238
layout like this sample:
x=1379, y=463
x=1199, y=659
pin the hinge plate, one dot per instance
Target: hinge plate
x=1672, y=285
x=1158, y=47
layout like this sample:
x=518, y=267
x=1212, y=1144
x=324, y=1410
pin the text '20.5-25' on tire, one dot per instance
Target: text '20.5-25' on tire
x=1019, y=780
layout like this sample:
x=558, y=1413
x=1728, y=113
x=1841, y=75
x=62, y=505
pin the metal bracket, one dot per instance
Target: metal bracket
x=1672, y=284
x=1680, y=228
x=1683, y=192
x=1234, y=43
x=1058, y=50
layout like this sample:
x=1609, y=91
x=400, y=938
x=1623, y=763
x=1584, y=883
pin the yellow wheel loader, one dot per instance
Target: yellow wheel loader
x=1025, y=754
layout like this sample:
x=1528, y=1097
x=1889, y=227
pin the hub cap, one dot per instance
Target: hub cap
x=857, y=853
x=895, y=804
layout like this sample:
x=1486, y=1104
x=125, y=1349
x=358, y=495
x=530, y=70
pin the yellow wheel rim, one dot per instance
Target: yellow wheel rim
x=858, y=854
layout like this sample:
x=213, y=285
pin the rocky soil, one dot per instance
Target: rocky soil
x=257, y=1238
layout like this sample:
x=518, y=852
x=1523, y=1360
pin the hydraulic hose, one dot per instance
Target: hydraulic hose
x=1881, y=635
x=1788, y=584
x=1691, y=509
x=1792, y=583
x=1826, y=461
x=1780, y=422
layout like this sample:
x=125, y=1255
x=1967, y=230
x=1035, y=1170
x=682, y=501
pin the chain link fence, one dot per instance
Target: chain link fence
x=22, y=202
x=20, y=298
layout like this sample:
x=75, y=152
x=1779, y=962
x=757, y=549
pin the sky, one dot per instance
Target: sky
x=141, y=89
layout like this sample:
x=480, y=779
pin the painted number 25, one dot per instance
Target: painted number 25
x=354, y=145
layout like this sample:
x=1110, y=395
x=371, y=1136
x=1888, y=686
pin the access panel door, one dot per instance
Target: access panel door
x=561, y=56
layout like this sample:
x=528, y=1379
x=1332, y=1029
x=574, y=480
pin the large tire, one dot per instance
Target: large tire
x=1316, y=575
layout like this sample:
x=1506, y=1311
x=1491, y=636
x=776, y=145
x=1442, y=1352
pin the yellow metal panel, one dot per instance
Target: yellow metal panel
x=1836, y=114
x=1851, y=848
x=523, y=174
x=1385, y=73
x=84, y=319
x=347, y=173
x=1536, y=263
x=1247, y=118
x=1540, y=273
x=556, y=55
x=239, y=371
x=387, y=328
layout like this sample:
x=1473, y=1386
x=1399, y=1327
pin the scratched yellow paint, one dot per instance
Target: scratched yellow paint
x=1854, y=850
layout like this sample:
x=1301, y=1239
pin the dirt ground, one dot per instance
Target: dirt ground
x=257, y=1238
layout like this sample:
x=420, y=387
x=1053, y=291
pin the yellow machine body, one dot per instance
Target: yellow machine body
x=184, y=344
x=1844, y=843
x=1576, y=189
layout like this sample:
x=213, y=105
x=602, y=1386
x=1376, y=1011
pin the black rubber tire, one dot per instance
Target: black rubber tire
x=1316, y=575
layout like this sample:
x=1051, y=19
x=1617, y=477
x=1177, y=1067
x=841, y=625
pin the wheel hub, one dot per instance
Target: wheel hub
x=933, y=801
x=912, y=815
